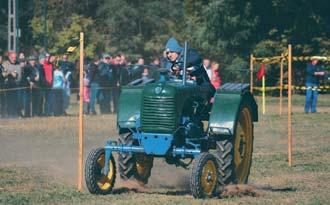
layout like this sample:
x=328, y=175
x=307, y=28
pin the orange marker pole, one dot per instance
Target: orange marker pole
x=81, y=96
x=290, y=105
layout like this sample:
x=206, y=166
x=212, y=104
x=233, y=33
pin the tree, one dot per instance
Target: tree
x=138, y=27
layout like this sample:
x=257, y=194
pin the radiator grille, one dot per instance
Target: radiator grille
x=158, y=114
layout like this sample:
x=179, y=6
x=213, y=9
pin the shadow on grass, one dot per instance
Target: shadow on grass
x=274, y=189
x=239, y=190
x=125, y=190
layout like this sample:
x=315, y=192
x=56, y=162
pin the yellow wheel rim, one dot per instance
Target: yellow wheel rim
x=104, y=181
x=209, y=177
x=243, y=146
x=143, y=164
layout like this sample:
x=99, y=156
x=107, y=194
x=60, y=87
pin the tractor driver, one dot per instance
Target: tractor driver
x=174, y=55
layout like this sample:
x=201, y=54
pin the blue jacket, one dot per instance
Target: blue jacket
x=193, y=57
x=310, y=77
x=194, y=62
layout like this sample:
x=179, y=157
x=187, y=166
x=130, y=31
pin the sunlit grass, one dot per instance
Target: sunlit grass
x=38, y=161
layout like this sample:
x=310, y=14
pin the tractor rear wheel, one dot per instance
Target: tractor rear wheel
x=204, y=176
x=136, y=165
x=97, y=182
x=234, y=153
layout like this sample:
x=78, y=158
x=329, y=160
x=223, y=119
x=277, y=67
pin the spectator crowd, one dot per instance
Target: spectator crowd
x=42, y=85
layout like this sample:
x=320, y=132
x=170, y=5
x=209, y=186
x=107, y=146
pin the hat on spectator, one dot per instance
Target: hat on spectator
x=32, y=58
x=105, y=55
x=173, y=46
x=42, y=56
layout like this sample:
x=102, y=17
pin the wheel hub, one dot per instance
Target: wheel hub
x=104, y=181
x=241, y=148
x=209, y=175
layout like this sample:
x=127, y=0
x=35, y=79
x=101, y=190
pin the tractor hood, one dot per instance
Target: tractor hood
x=155, y=107
x=162, y=104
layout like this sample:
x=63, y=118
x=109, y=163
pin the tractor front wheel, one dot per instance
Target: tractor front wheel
x=97, y=182
x=204, y=176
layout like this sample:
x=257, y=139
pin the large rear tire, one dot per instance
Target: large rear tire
x=136, y=165
x=234, y=153
x=96, y=181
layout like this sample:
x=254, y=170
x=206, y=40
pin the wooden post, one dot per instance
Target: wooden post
x=251, y=73
x=263, y=94
x=290, y=105
x=31, y=101
x=81, y=96
x=281, y=83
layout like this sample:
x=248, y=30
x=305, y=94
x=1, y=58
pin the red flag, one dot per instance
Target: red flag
x=261, y=71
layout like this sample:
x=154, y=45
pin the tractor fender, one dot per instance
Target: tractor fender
x=227, y=102
x=129, y=105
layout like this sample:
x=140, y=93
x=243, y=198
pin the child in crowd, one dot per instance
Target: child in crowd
x=58, y=84
x=86, y=92
x=145, y=75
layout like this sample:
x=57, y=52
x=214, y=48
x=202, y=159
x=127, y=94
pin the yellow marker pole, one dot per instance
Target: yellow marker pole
x=81, y=95
x=281, y=83
x=290, y=105
x=251, y=73
x=263, y=94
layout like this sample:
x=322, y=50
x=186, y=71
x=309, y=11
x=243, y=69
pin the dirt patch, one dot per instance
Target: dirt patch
x=239, y=190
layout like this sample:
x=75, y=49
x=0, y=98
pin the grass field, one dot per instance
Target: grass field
x=38, y=162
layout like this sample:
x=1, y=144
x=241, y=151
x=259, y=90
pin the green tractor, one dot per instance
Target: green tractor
x=173, y=119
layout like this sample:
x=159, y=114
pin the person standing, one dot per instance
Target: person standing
x=140, y=61
x=41, y=86
x=3, y=75
x=116, y=81
x=35, y=83
x=206, y=66
x=26, y=83
x=86, y=90
x=57, y=93
x=94, y=82
x=48, y=83
x=14, y=76
x=155, y=62
x=67, y=68
x=313, y=74
x=106, y=83
x=215, y=76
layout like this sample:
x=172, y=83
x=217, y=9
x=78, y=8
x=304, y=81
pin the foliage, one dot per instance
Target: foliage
x=224, y=30
x=137, y=27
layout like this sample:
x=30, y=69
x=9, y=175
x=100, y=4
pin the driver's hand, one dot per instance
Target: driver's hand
x=175, y=67
x=175, y=72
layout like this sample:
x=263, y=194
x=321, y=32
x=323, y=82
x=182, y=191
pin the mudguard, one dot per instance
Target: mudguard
x=129, y=106
x=227, y=102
